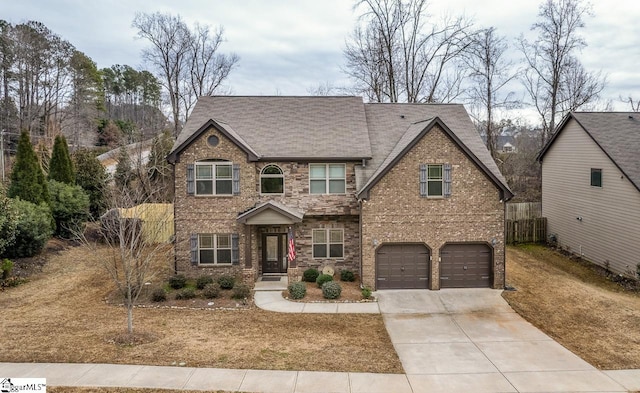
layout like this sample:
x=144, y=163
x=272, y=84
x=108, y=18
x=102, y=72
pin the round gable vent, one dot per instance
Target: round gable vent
x=213, y=141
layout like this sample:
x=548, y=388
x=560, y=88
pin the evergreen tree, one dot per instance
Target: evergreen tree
x=27, y=179
x=123, y=175
x=92, y=177
x=60, y=166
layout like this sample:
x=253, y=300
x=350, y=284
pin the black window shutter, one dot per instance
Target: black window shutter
x=236, y=179
x=190, y=180
x=194, y=249
x=447, y=180
x=423, y=180
x=235, y=249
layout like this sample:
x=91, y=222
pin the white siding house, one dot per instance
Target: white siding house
x=590, y=194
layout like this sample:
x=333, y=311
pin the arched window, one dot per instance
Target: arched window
x=271, y=180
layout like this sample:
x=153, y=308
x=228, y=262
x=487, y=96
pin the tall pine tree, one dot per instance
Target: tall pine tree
x=60, y=166
x=27, y=179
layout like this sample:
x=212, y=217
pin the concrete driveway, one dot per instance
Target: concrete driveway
x=471, y=340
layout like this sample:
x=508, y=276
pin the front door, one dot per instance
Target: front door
x=273, y=253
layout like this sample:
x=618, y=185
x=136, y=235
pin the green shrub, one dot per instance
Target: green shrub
x=226, y=281
x=241, y=291
x=347, y=275
x=8, y=222
x=310, y=275
x=158, y=295
x=92, y=177
x=178, y=281
x=203, y=281
x=366, y=293
x=331, y=290
x=186, y=293
x=69, y=208
x=211, y=291
x=5, y=268
x=297, y=290
x=323, y=278
x=34, y=227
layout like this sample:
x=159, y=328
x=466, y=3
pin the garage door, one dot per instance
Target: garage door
x=465, y=266
x=402, y=266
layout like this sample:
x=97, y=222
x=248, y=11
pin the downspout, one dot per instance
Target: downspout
x=175, y=259
x=360, y=240
x=504, y=242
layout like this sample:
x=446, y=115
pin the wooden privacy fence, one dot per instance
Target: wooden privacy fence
x=523, y=210
x=157, y=220
x=531, y=230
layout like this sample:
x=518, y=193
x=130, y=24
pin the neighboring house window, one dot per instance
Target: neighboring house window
x=596, y=177
x=214, y=249
x=435, y=180
x=328, y=243
x=213, y=178
x=271, y=180
x=327, y=178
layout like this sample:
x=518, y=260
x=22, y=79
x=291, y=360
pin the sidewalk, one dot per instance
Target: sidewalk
x=189, y=378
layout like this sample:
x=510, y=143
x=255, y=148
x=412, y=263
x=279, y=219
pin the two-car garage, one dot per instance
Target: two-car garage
x=408, y=266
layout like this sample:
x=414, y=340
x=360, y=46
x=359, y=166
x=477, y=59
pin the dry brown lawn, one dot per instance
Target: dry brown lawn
x=61, y=316
x=590, y=315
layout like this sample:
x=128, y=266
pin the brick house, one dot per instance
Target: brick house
x=404, y=195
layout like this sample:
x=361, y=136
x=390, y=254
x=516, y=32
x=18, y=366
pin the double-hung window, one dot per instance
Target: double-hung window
x=327, y=178
x=214, y=249
x=328, y=243
x=214, y=178
x=435, y=180
x=271, y=180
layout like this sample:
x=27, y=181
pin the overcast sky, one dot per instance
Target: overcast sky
x=288, y=47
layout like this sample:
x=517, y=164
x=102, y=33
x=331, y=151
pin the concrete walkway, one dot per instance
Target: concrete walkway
x=448, y=341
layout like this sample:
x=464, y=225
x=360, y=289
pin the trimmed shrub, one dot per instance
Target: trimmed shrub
x=297, y=290
x=178, y=281
x=323, y=278
x=310, y=275
x=34, y=227
x=211, y=291
x=331, y=290
x=158, y=295
x=203, y=281
x=69, y=208
x=226, y=282
x=241, y=291
x=347, y=275
x=186, y=293
x=366, y=293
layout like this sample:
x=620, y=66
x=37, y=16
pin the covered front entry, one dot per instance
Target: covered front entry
x=274, y=259
x=465, y=265
x=402, y=266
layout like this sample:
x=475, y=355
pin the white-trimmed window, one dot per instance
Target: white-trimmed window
x=271, y=180
x=327, y=178
x=435, y=180
x=214, y=249
x=328, y=243
x=214, y=178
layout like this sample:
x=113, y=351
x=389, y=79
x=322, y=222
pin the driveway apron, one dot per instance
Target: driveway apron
x=471, y=340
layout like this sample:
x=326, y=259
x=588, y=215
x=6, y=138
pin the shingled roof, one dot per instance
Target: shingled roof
x=333, y=128
x=616, y=133
x=395, y=128
x=285, y=128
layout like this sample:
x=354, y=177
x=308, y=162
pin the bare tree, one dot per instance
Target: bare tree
x=189, y=62
x=634, y=104
x=397, y=56
x=134, y=254
x=490, y=72
x=555, y=79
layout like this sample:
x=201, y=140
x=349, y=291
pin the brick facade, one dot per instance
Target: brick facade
x=395, y=212
x=218, y=214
